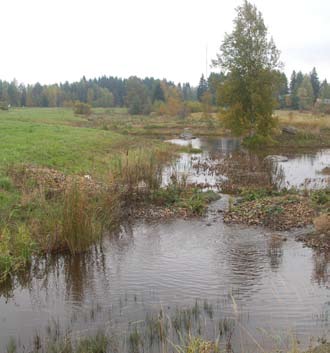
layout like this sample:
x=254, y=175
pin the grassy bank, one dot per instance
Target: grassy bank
x=118, y=120
x=312, y=130
x=46, y=203
x=64, y=184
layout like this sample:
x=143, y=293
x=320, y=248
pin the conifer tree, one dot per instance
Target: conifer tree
x=202, y=88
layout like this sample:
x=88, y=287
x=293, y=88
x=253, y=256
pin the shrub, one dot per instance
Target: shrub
x=256, y=141
x=196, y=203
x=321, y=197
x=194, y=107
x=82, y=108
x=3, y=106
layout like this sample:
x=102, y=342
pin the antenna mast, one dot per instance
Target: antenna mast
x=206, y=63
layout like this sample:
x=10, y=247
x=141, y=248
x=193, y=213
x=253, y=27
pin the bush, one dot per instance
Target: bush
x=321, y=197
x=3, y=106
x=194, y=107
x=256, y=141
x=196, y=203
x=82, y=108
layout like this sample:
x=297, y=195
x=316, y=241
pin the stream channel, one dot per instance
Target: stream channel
x=232, y=282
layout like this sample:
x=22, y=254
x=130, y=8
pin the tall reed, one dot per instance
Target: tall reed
x=78, y=218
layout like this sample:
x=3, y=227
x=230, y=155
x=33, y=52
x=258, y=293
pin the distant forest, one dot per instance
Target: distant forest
x=141, y=96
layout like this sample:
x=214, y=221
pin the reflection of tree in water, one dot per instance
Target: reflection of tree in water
x=248, y=169
x=123, y=238
x=80, y=269
x=74, y=272
x=222, y=145
x=21, y=280
x=275, y=252
x=321, y=272
x=246, y=263
x=77, y=271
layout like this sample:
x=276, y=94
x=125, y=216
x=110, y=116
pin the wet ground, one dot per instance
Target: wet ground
x=268, y=289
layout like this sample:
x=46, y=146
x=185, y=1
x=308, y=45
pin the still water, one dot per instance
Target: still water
x=272, y=290
x=300, y=171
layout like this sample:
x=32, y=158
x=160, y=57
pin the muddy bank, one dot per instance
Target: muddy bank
x=324, y=348
x=278, y=213
x=320, y=238
x=317, y=241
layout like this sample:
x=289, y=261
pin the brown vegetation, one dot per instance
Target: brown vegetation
x=278, y=213
x=322, y=223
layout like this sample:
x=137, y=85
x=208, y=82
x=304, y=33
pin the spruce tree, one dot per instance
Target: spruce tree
x=202, y=88
x=315, y=83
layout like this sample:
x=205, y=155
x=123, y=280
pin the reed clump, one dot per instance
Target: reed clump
x=79, y=229
x=59, y=212
x=139, y=172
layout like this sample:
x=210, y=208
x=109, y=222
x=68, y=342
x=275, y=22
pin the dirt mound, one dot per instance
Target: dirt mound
x=50, y=180
x=279, y=213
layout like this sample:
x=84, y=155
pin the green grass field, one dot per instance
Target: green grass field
x=36, y=217
x=52, y=138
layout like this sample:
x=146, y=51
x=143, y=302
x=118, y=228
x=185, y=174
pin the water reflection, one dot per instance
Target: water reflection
x=305, y=170
x=246, y=274
x=187, y=166
x=275, y=252
x=300, y=170
x=321, y=273
x=242, y=272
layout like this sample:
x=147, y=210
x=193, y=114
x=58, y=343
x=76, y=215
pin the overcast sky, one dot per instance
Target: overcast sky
x=57, y=40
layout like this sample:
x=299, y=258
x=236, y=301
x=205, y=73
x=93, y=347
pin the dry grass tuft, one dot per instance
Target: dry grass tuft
x=304, y=120
x=322, y=223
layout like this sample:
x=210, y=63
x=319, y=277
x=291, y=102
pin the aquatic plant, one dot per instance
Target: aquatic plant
x=16, y=250
x=78, y=219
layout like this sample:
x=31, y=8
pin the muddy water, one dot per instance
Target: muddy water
x=270, y=289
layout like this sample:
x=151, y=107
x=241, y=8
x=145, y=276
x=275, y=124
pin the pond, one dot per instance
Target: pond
x=300, y=170
x=248, y=286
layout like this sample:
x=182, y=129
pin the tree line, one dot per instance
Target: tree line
x=306, y=92
x=301, y=92
x=139, y=95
